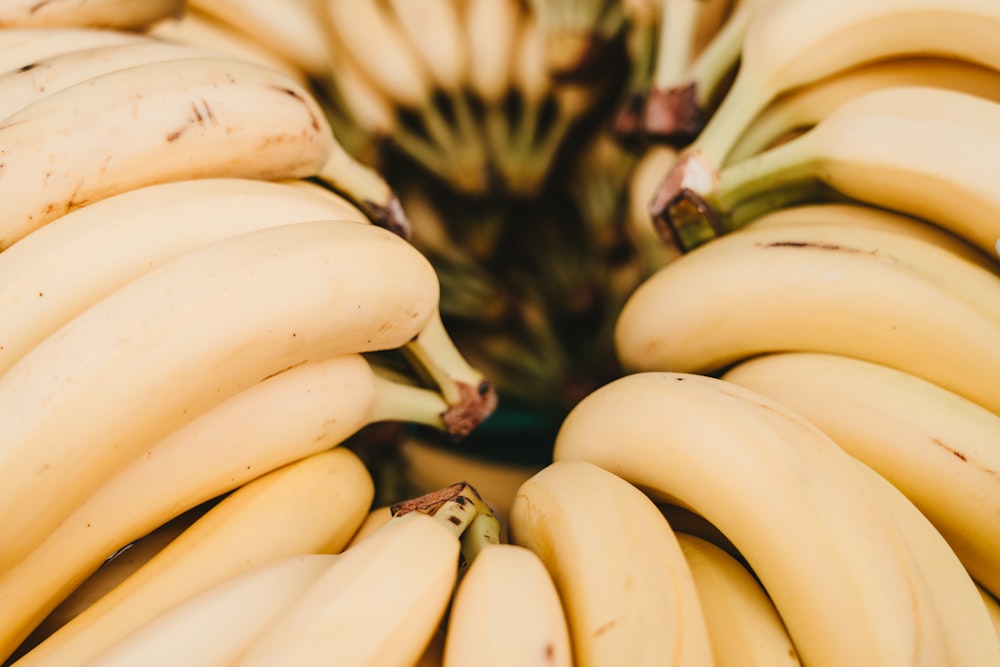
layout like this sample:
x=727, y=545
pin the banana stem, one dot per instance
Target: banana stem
x=456, y=506
x=398, y=401
x=787, y=165
x=365, y=188
x=481, y=533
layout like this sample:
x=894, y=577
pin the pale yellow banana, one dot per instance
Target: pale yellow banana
x=733, y=298
x=825, y=547
x=312, y=505
x=625, y=586
x=119, y=14
x=182, y=338
x=434, y=30
x=66, y=266
x=491, y=30
x=506, y=611
x=21, y=47
x=936, y=447
x=743, y=625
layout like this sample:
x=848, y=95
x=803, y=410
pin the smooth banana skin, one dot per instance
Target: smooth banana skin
x=824, y=545
x=506, y=611
x=936, y=447
x=32, y=82
x=220, y=319
x=378, y=604
x=802, y=108
x=78, y=259
x=312, y=505
x=167, y=121
x=790, y=43
x=744, y=626
x=863, y=149
x=732, y=298
x=212, y=627
x=20, y=47
x=305, y=410
x=118, y=14
x=626, y=589
x=970, y=637
x=992, y=606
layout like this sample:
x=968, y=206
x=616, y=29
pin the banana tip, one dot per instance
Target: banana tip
x=391, y=216
x=673, y=115
x=477, y=403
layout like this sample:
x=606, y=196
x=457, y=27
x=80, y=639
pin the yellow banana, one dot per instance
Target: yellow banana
x=626, y=588
x=118, y=14
x=824, y=545
x=21, y=47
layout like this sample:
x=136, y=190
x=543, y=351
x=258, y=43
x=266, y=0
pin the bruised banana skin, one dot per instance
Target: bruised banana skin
x=221, y=318
x=933, y=445
x=626, y=588
x=412, y=560
x=85, y=255
x=165, y=121
x=731, y=299
x=117, y=14
x=822, y=542
x=312, y=505
x=293, y=414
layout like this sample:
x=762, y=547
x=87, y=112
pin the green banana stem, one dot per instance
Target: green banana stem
x=481, y=533
x=456, y=506
x=364, y=187
x=400, y=401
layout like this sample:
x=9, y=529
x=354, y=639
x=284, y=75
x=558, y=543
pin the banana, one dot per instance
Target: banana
x=744, y=627
x=296, y=413
x=411, y=561
x=491, y=34
x=20, y=47
x=61, y=269
x=863, y=150
x=170, y=121
x=732, y=298
x=242, y=308
x=931, y=444
x=791, y=43
x=644, y=178
x=626, y=588
x=377, y=517
x=578, y=34
x=506, y=611
x=211, y=627
x=434, y=30
x=288, y=28
x=800, y=109
x=970, y=638
x=823, y=544
x=197, y=29
x=118, y=14
x=312, y=505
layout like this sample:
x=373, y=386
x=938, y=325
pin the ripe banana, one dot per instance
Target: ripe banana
x=21, y=47
x=790, y=43
x=312, y=505
x=506, y=611
x=211, y=627
x=732, y=298
x=66, y=266
x=288, y=28
x=119, y=14
x=296, y=413
x=626, y=588
x=936, y=447
x=743, y=625
x=169, y=121
x=220, y=318
x=863, y=149
x=802, y=108
x=412, y=561
x=822, y=542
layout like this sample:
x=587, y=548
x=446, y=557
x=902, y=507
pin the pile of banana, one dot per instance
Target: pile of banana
x=268, y=267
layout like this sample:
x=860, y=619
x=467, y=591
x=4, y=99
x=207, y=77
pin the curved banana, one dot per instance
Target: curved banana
x=626, y=588
x=245, y=307
x=434, y=30
x=412, y=560
x=167, y=121
x=936, y=447
x=743, y=625
x=20, y=47
x=491, y=30
x=822, y=542
x=211, y=627
x=296, y=413
x=119, y=14
x=61, y=269
x=732, y=298
x=506, y=611
x=791, y=43
x=863, y=150
x=288, y=28
x=800, y=109
x=312, y=505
